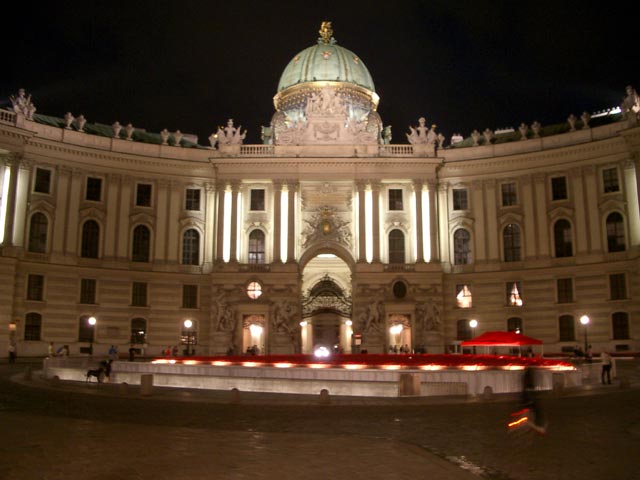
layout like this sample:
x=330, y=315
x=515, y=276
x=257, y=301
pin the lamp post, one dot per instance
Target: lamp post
x=92, y=323
x=187, y=325
x=473, y=323
x=584, y=320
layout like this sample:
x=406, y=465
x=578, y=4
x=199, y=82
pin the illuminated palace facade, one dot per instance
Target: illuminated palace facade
x=325, y=234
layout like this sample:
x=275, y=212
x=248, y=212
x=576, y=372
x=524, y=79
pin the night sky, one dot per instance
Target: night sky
x=191, y=65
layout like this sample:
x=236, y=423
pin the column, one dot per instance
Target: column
x=233, y=256
x=122, y=247
x=582, y=240
x=362, y=235
x=277, y=220
x=63, y=180
x=527, y=201
x=633, y=210
x=443, y=221
x=481, y=217
x=291, y=227
x=492, y=241
x=14, y=166
x=209, y=225
x=375, y=212
x=417, y=189
x=434, y=248
x=593, y=215
x=162, y=232
x=73, y=209
x=539, y=180
x=220, y=222
x=112, y=201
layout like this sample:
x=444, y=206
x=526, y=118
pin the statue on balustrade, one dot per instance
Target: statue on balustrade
x=231, y=135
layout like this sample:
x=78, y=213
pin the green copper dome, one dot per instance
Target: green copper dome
x=326, y=61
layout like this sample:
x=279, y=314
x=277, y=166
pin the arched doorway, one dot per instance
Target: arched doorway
x=326, y=305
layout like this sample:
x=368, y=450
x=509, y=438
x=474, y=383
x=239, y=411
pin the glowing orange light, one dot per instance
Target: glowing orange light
x=354, y=366
x=519, y=422
x=250, y=364
x=283, y=365
x=220, y=363
x=431, y=367
x=391, y=367
x=190, y=362
x=318, y=365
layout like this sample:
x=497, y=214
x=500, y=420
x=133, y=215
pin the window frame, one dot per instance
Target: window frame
x=395, y=199
x=509, y=198
x=38, y=180
x=257, y=198
x=190, y=299
x=144, y=199
x=559, y=190
x=460, y=199
x=35, y=288
x=89, y=191
x=192, y=202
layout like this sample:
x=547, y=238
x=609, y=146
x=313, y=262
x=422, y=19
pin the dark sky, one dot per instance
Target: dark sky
x=190, y=65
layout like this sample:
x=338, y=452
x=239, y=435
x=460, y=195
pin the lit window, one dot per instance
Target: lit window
x=254, y=290
x=464, y=298
x=514, y=294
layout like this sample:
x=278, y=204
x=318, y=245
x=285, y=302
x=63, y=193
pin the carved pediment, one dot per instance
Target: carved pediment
x=145, y=218
x=559, y=212
x=612, y=204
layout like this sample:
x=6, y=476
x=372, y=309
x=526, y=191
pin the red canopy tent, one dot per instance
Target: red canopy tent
x=501, y=339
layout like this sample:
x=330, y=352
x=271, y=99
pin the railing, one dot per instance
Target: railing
x=400, y=150
x=7, y=116
x=257, y=150
x=399, y=267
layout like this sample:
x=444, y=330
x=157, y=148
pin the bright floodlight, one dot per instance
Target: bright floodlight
x=188, y=323
x=322, y=352
x=255, y=330
x=473, y=323
x=584, y=320
x=303, y=323
x=396, y=329
x=348, y=323
x=92, y=321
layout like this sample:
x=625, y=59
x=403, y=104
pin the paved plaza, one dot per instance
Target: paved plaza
x=90, y=431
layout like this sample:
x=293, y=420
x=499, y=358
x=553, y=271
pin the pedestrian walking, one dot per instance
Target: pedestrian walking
x=113, y=352
x=606, y=367
x=12, y=353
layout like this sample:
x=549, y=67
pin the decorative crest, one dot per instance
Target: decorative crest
x=326, y=32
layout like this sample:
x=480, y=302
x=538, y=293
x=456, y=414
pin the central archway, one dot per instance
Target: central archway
x=326, y=304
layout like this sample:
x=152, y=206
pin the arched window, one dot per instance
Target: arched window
x=191, y=247
x=615, y=233
x=620, y=325
x=38, y=227
x=461, y=247
x=567, y=328
x=256, y=247
x=396, y=246
x=141, y=244
x=514, y=324
x=463, y=330
x=511, y=238
x=90, y=239
x=138, y=331
x=32, y=326
x=562, y=238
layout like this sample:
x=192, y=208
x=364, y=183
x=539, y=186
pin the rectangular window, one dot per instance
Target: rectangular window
x=139, y=294
x=618, y=286
x=460, y=199
x=509, y=194
x=94, y=189
x=35, y=287
x=42, y=182
x=257, y=199
x=610, y=180
x=88, y=291
x=395, y=199
x=143, y=195
x=189, y=296
x=567, y=329
x=565, y=290
x=86, y=331
x=559, y=188
x=189, y=336
x=192, y=200
x=514, y=294
x=32, y=327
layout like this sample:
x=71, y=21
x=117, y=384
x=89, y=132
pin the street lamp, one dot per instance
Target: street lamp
x=473, y=323
x=187, y=325
x=584, y=320
x=92, y=323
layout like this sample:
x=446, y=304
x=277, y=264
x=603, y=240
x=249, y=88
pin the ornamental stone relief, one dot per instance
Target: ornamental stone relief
x=326, y=225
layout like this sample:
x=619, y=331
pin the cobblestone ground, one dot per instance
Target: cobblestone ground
x=100, y=432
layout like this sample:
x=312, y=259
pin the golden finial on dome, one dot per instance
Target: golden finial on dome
x=326, y=32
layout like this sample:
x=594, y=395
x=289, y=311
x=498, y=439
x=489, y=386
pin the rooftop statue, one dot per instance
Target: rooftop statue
x=419, y=135
x=231, y=135
x=23, y=104
x=631, y=104
x=326, y=32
